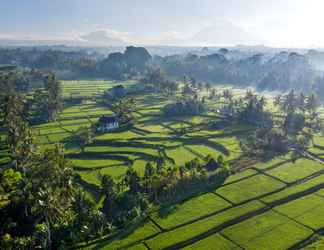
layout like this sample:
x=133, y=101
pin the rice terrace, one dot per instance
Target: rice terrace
x=276, y=196
x=171, y=130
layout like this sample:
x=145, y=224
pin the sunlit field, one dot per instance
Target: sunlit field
x=265, y=195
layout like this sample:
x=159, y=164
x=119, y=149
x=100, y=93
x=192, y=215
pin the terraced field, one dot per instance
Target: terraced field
x=280, y=216
x=271, y=205
x=151, y=137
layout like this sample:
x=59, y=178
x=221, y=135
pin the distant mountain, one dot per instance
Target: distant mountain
x=224, y=34
x=102, y=38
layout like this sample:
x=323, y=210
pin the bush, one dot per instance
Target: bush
x=184, y=107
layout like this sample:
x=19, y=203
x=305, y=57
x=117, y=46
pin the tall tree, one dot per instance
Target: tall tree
x=53, y=86
x=19, y=135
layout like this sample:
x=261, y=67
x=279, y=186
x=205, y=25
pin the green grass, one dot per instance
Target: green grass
x=308, y=210
x=93, y=176
x=249, y=188
x=189, y=210
x=280, y=160
x=319, y=140
x=181, y=155
x=137, y=247
x=317, y=245
x=294, y=189
x=213, y=242
x=321, y=192
x=95, y=163
x=241, y=175
x=291, y=172
x=123, y=241
x=152, y=134
x=187, y=232
x=267, y=231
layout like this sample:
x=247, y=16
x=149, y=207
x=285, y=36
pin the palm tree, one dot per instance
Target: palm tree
x=208, y=87
x=52, y=199
x=277, y=100
x=53, y=87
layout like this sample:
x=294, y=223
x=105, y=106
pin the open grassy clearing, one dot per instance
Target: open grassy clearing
x=88, y=88
x=267, y=231
x=294, y=189
x=274, y=163
x=308, y=210
x=249, y=188
x=318, y=244
x=321, y=192
x=239, y=176
x=291, y=172
x=213, y=242
x=131, y=237
x=189, y=210
x=187, y=232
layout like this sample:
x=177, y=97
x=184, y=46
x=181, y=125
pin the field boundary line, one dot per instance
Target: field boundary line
x=242, y=203
x=244, y=217
x=224, y=198
x=156, y=224
x=305, y=242
x=273, y=177
x=293, y=219
x=229, y=239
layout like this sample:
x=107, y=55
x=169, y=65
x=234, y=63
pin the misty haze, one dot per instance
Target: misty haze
x=175, y=124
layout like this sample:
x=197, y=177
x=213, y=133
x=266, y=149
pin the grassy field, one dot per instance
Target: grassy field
x=213, y=242
x=152, y=135
x=269, y=205
x=189, y=210
x=252, y=187
x=266, y=230
x=195, y=229
x=307, y=210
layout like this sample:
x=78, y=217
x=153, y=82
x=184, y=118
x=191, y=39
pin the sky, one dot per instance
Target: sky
x=278, y=23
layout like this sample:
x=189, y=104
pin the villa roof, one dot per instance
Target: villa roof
x=108, y=119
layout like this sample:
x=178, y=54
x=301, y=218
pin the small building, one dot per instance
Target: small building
x=107, y=123
x=226, y=111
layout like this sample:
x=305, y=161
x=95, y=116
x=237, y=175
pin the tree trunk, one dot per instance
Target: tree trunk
x=49, y=239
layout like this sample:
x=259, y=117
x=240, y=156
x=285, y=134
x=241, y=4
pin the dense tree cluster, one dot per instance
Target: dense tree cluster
x=80, y=64
x=125, y=65
x=129, y=198
x=184, y=106
x=156, y=79
x=39, y=199
x=265, y=71
x=66, y=64
x=292, y=129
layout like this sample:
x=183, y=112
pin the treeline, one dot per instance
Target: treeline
x=36, y=94
x=131, y=196
x=272, y=72
x=75, y=65
x=289, y=127
x=265, y=71
x=41, y=205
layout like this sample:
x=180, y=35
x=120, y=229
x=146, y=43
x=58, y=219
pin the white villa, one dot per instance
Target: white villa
x=107, y=123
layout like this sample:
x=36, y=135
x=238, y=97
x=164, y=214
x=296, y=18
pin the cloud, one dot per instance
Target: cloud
x=106, y=37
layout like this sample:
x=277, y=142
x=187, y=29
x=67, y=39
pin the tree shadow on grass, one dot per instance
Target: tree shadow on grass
x=100, y=155
x=118, y=236
x=115, y=155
